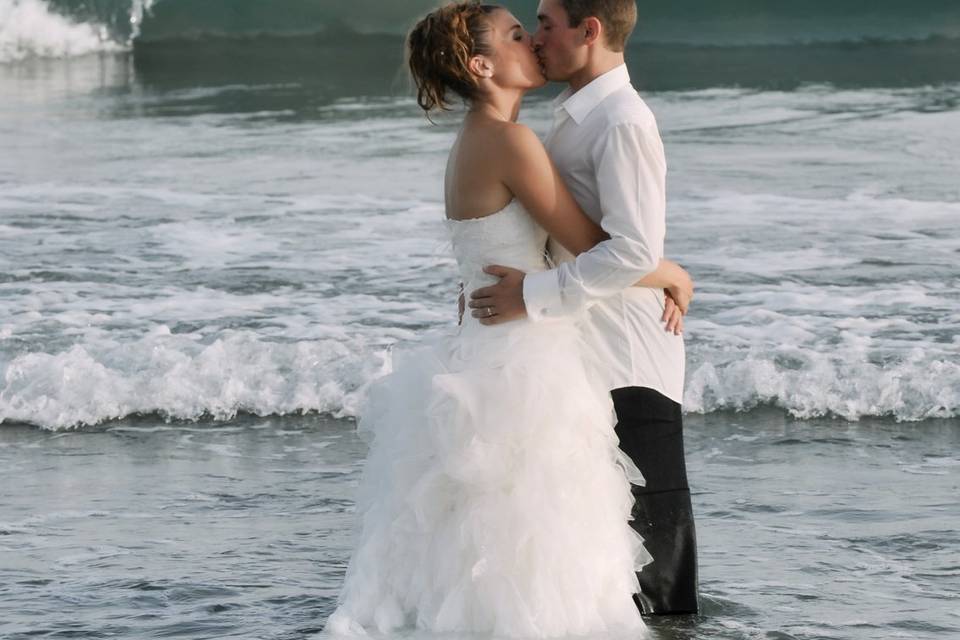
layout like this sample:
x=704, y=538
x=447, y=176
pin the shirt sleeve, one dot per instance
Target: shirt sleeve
x=631, y=182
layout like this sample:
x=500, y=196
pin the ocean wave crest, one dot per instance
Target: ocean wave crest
x=30, y=28
x=914, y=390
x=177, y=377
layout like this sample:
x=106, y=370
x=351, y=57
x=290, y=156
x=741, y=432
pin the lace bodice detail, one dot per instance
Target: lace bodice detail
x=509, y=237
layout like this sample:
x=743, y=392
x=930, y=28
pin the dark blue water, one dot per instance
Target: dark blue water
x=677, y=45
x=722, y=22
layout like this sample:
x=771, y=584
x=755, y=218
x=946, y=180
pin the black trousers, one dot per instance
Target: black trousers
x=650, y=428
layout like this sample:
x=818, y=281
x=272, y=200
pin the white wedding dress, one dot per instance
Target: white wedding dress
x=494, y=498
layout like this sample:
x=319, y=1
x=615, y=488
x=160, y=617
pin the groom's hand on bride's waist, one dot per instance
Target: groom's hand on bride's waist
x=501, y=302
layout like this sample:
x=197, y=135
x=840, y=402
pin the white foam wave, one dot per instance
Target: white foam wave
x=827, y=385
x=30, y=28
x=178, y=377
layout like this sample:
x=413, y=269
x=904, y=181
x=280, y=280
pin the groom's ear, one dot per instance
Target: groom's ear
x=591, y=29
x=481, y=66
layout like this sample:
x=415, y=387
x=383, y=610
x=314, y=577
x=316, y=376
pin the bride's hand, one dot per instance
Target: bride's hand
x=672, y=315
x=681, y=288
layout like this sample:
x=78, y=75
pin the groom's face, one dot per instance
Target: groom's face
x=560, y=48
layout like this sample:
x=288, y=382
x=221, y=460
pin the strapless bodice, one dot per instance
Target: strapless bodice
x=509, y=237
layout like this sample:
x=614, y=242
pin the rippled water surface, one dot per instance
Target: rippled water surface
x=812, y=529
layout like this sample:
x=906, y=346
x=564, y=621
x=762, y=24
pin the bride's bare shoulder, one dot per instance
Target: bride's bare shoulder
x=505, y=146
x=515, y=133
x=511, y=142
x=521, y=146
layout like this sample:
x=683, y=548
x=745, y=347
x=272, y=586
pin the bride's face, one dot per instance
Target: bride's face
x=514, y=63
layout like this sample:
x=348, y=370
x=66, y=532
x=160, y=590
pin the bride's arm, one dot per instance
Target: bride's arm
x=532, y=177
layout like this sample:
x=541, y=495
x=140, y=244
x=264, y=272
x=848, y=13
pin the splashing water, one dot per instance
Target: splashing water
x=35, y=29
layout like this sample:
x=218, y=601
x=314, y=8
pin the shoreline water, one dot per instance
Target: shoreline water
x=242, y=529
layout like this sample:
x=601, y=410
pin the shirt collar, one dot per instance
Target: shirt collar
x=579, y=104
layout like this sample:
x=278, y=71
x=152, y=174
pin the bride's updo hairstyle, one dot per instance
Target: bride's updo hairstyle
x=439, y=49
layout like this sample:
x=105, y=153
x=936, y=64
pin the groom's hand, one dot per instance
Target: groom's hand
x=501, y=302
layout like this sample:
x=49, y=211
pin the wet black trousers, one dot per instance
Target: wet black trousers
x=650, y=428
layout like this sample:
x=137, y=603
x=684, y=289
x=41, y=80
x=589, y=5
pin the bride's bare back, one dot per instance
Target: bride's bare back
x=472, y=185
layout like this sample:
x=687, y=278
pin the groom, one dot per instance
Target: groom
x=607, y=147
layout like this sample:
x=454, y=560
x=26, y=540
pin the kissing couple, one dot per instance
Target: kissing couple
x=526, y=474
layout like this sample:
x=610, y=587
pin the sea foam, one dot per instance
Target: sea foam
x=30, y=28
x=826, y=385
x=180, y=378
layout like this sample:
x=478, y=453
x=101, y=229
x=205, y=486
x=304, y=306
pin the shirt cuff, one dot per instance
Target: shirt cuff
x=541, y=294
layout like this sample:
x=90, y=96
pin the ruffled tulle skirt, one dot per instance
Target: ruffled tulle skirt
x=494, y=498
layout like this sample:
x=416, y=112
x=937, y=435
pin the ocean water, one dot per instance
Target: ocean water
x=141, y=529
x=211, y=235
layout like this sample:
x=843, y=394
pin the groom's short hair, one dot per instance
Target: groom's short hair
x=618, y=18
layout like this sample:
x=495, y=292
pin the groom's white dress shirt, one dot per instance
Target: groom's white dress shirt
x=607, y=148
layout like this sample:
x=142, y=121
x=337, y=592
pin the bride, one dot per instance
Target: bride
x=494, y=498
